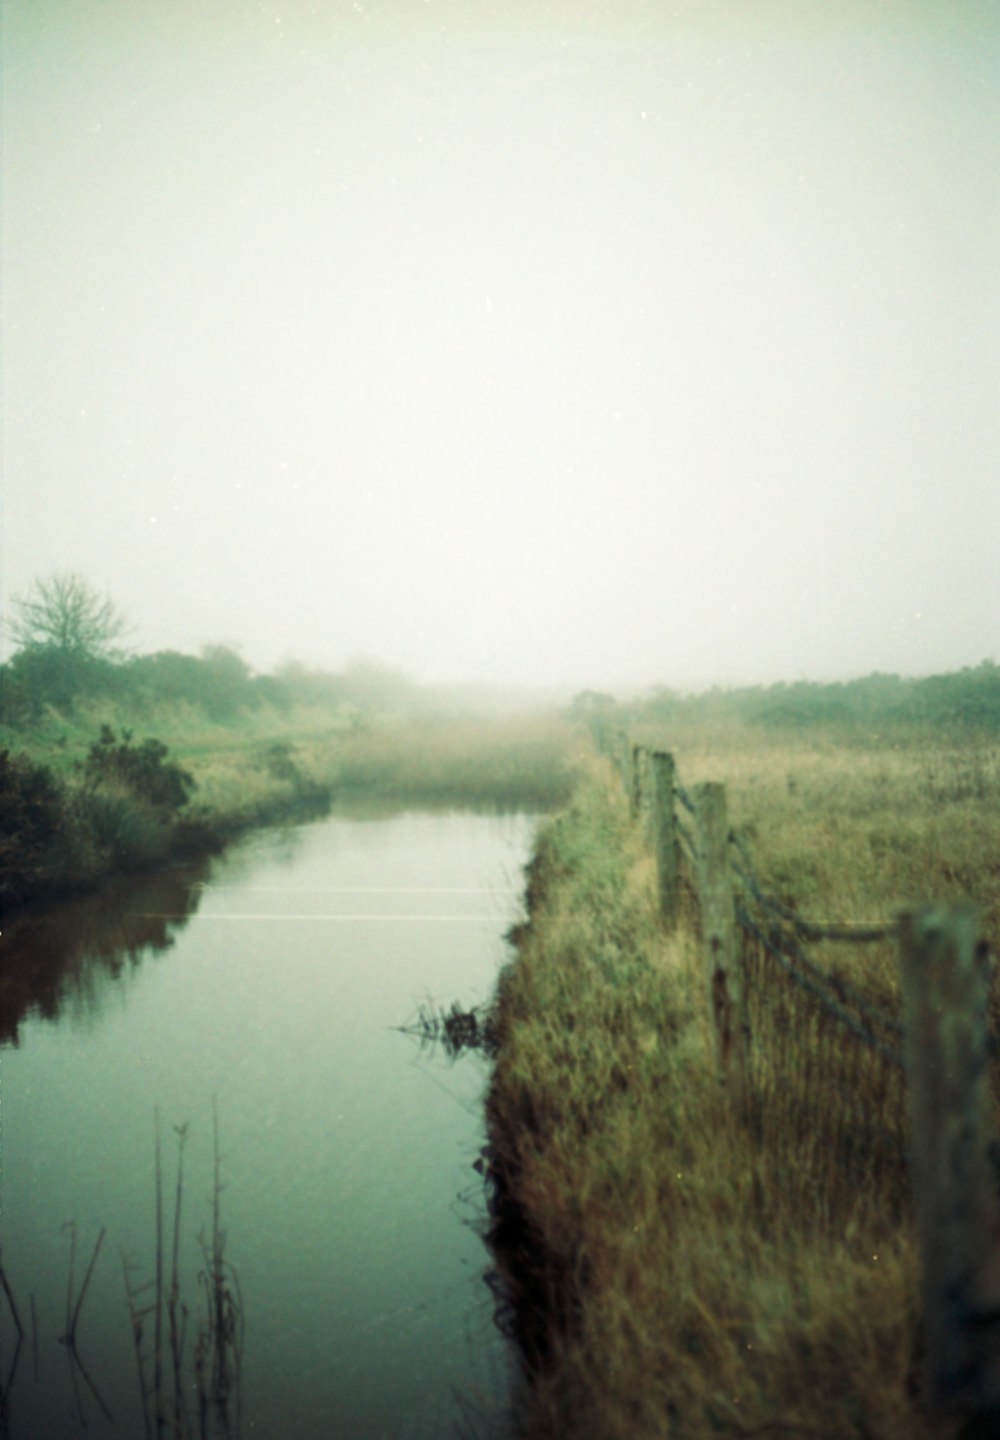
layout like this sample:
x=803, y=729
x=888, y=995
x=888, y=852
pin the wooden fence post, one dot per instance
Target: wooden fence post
x=946, y=978
x=623, y=759
x=665, y=836
x=635, y=778
x=647, y=792
x=726, y=991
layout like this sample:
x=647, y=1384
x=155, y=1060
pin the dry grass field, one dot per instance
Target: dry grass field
x=852, y=832
x=678, y=1272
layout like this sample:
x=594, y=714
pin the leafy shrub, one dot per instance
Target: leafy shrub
x=279, y=763
x=129, y=830
x=142, y=769
x=31, y=816
x=43, y=675
x=218, y=682
x=19, y=706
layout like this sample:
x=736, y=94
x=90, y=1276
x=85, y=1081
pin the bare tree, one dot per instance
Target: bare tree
x=64, y=613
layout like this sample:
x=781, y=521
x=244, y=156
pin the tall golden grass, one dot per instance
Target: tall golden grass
x=513, y=762
x=690, y=1275
x=853, y=832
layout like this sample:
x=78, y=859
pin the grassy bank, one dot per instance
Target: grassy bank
x=672, y=1273
x=178, y=784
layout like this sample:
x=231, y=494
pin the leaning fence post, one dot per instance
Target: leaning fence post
x=946, y=976
x=718, y=929
x=665, y=835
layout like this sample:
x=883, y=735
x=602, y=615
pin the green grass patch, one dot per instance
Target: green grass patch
x=67, y=824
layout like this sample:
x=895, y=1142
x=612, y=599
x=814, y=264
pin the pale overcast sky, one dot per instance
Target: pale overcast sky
x=585, y=342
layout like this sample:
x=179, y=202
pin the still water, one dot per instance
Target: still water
x=267, y=985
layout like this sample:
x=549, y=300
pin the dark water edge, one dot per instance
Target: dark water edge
x=52, y=937
x=187, y=840
x=54, y=952
x=190, y=839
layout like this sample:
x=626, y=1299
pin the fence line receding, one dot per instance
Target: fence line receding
x=909, y=1081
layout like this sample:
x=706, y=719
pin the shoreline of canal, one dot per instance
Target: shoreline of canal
x=68, y=832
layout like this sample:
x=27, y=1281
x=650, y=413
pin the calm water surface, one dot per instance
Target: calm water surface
x=351, y=1209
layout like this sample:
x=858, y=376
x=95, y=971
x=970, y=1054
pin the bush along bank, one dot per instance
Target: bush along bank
x=127, y=807
x=664, y=1276
x=67, y=824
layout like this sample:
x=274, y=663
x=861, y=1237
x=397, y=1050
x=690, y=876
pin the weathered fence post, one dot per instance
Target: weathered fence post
x=946, y=978
x=647, y=792
x=623, y=758
x=726, y=995
x=635, y=787
x=665, y=836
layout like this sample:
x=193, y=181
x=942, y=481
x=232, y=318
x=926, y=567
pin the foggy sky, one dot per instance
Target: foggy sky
x=557, y=343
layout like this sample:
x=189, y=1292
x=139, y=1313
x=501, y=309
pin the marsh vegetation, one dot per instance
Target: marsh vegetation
x=672, y=1272
x=168, y=757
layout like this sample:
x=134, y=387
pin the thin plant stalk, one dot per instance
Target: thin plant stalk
x=76, y=1363
x=71, y=1226
x=158, y=1325
x=177, y=1334
x=219, y=1348
x=7, y=1387
x=71, y=1332
x=136, y=1318
x=11, y=1301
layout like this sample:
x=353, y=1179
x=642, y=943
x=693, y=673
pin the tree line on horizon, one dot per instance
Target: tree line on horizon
x=69, y=651
x=69, y=640
x=866, y=708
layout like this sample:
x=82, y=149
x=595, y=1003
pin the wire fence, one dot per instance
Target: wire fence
x=860, y=1057
x=824, y=1082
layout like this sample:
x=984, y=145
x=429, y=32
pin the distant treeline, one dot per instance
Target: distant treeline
x=86, y=792
x=968, y=699
x=221, y=685
x=217, y=682
x=70, y=816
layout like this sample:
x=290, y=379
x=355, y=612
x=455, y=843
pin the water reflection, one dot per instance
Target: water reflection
x=56, y=957
x=352, y=1203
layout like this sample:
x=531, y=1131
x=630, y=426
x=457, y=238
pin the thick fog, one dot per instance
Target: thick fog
x=556, y=343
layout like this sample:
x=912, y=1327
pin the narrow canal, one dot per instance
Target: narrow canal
x=264, y=988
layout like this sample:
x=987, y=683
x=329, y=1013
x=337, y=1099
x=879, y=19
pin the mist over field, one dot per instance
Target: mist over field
x=556, y=344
